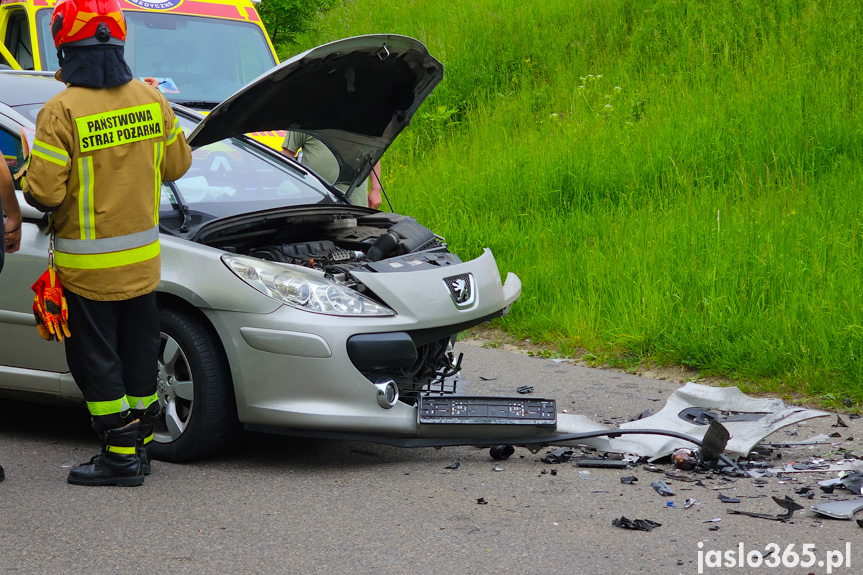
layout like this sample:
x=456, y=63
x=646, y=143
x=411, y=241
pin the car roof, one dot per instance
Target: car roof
x=18, y=88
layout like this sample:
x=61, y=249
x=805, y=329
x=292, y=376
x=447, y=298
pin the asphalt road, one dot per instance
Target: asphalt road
x=280, y=505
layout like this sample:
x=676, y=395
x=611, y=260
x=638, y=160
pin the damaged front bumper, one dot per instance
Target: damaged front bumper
x=731, y=423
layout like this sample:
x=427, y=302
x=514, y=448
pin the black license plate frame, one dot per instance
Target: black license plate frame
x=480, y=410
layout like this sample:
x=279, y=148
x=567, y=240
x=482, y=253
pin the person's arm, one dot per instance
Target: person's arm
x=178, y=154
x=49, y=165
x=375, y=187
x=292, y=144
x=12, y=235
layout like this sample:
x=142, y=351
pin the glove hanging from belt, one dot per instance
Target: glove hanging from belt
x=49, y=306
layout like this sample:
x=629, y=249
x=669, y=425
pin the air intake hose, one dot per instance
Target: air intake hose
x=384, y=246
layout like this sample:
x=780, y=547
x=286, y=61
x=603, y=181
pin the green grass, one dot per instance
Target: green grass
x=674, y=182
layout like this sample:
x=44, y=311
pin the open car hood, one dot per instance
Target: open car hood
x=355, y=95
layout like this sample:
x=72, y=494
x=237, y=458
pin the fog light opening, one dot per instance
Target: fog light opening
x=388, y=392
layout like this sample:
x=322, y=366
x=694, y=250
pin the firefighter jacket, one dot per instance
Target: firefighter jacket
x=97, y=162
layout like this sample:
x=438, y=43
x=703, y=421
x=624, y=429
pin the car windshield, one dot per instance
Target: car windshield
x=234, y=177
x=199, y=60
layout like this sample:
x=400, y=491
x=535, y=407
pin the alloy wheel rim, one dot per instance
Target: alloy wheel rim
x=176, y=390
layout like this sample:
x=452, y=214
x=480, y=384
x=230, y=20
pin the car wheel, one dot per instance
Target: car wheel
x=199, y=416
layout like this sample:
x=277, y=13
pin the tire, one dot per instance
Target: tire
x=199, y=414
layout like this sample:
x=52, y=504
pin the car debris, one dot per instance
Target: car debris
x=805, y=491
x=689, y=503
x=788, y=504
x=602, y=463
x=482, y=501
x=725, y=499
x=841, y=509
x=636, y=524
x=453, y=465
x=662, y=488
x=839, y=422
x=629, y=479
x=525, y=389
x=852, y=481
x=685, y=458
x=559, y=455
x=728, y=406
x=501, y=452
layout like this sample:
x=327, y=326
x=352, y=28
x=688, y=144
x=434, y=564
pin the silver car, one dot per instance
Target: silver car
x=282, y=306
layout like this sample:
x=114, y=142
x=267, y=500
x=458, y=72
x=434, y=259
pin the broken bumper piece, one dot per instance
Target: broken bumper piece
x=747, y=420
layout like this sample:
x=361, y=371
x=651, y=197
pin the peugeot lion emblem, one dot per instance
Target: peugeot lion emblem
x=461, y=290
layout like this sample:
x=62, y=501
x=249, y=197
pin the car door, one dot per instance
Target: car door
x=26, y=360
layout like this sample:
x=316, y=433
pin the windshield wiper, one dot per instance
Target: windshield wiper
x=179, y=203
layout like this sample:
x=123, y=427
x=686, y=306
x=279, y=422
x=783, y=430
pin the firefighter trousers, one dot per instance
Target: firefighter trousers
x=112, y=354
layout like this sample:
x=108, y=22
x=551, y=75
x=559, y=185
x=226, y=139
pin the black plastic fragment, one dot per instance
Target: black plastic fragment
x=636, y=524
x=482, y=501
x=501, y=452
x=525, y=389
x=805, y=492
x=662, y=488
x=788, y=504
x=606, y=463
x=726, y=499
x=853, y=482
x=715, y=440
x=2, y=473
x=559, y=455
x=839, y=422
x=453, y=465
x=860, y=522
x=713, y=528
x=629, y=479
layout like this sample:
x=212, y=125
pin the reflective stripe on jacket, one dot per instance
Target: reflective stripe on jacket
x=99, y=158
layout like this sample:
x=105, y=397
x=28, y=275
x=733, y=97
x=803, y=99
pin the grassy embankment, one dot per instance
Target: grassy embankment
x=674, y=182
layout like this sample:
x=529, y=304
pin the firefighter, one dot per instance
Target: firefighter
x=102, y=148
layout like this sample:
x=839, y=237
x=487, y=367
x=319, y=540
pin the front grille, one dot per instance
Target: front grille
x=461, y=290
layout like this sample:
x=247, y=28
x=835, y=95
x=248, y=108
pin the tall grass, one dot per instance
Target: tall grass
x=673, y=181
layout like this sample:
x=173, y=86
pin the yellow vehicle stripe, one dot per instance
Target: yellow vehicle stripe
x=109, y=260
x=10, y=59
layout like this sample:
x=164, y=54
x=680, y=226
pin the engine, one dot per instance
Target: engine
x=348, y=243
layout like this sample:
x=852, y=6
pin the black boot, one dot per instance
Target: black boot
x=148, y=418
x=118, y=462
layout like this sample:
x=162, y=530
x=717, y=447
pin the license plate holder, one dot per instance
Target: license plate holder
x=478, y=410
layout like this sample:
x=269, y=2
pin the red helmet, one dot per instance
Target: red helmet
x=88, y=23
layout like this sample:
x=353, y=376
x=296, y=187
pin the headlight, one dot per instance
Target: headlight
x=303, y=289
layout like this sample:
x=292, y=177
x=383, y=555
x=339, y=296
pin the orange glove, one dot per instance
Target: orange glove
x=49, y=307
